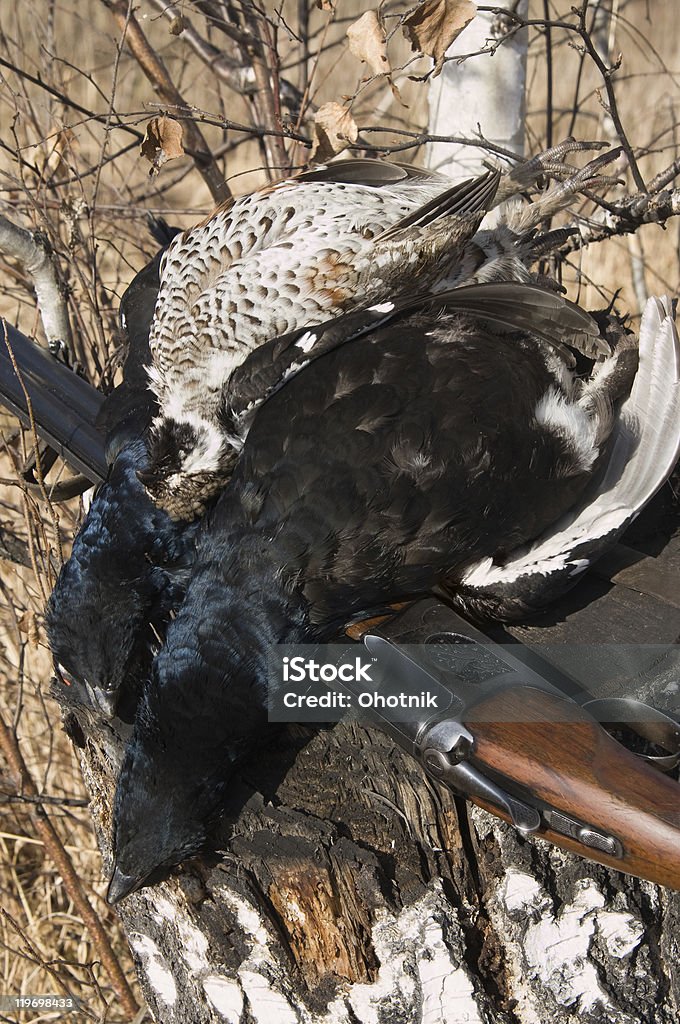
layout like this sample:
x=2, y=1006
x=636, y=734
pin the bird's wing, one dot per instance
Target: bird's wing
x=516, y=306
x=128, y=410
x=644, y=448
x=474, y=195
x=372, y=173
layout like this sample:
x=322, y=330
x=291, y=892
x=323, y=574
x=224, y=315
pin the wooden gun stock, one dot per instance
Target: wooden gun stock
x=566, y=760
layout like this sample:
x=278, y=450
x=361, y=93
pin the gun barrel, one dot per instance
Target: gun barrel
x=65, y=406
x=565, y=760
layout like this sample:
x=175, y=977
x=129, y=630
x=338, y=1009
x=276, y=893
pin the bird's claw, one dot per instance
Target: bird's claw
x=550, y=164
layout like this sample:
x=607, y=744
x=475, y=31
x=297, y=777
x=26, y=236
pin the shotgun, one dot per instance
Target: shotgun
x=521, y=747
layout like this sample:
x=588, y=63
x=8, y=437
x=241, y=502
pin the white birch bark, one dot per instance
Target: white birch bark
x=32, y=251
x=485, y=93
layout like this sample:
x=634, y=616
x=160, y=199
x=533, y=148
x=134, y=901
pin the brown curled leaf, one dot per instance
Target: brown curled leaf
x=162, y=142
x=28, y=624
x=434, y=25
x=334, y=130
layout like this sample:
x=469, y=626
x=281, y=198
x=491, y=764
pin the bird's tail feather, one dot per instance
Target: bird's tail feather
x=465, y=197
x=524, y=307
x=652, y=410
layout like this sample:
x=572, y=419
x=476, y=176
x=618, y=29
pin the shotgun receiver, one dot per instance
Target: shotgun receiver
x=520, y=747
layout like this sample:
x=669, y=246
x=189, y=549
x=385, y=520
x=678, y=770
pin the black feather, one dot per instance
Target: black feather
x=126, y=574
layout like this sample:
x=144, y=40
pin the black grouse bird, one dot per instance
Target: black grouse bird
x=129, y=562
x=435, y=451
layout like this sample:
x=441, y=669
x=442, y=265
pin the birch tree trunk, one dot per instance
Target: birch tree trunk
x=483, y=94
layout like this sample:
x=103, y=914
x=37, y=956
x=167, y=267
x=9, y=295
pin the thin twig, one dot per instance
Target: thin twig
x=156, y=72
x=66, y=100
x=32, y=953
x=23, y=783
x=612, y=108
x=548, y=78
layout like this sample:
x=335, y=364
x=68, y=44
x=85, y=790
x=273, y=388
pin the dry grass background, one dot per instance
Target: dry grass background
x=96, y=221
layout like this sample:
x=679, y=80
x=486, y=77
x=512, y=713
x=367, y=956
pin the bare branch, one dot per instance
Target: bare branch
x=234, y=73
x=262, y=59
x=628, y=218
x=66, y=100
x=264, y=62
x=23, y=783
x=33, y=250
x=224, y=23
x=612, y=108
x=156, y=72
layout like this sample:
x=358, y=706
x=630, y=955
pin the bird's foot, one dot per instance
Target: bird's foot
x=551, y=164
x=560, y=195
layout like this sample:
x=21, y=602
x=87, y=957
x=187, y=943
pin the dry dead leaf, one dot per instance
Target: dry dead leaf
x=435, y=24
x=367, y=42
x=51, y=156
x=334, y=130
x=326, y=5
x=162, y=142
x=28, y=624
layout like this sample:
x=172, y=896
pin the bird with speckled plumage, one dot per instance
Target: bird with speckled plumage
x=294, y=254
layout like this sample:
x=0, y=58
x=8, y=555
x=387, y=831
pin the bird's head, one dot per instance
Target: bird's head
x=107, y=613
x=162, y=812
x=99, y=647
x=189, y=462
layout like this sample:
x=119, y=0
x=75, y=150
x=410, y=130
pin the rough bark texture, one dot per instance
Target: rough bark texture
x=345, y=886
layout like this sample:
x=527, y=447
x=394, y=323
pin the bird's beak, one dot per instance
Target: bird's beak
x=147, y=477
x=122, y=885
x=105, y=700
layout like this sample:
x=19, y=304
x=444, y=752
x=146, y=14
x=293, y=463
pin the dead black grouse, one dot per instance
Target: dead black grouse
x=129, y=561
